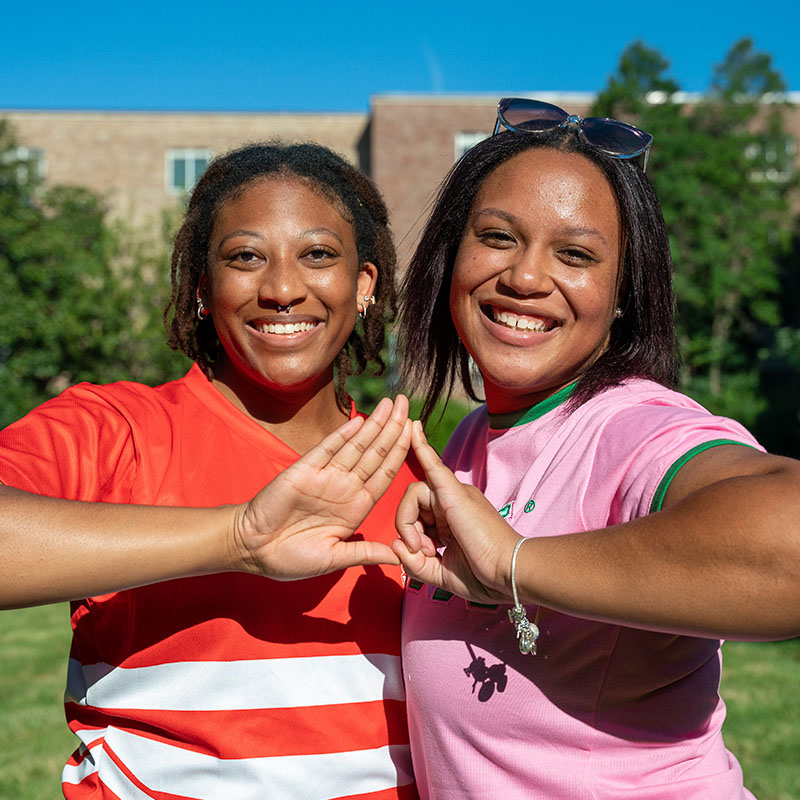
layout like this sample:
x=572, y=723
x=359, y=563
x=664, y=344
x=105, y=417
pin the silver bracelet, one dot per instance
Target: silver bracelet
x=527, y=632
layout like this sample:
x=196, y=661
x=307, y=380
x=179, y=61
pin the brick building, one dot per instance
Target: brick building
x=415, y=139
x=142, y=162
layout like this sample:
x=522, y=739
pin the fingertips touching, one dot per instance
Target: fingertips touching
x=427, y=545
x=410, y=535
x=409, y=560
x=359, y=553
x=415, y=565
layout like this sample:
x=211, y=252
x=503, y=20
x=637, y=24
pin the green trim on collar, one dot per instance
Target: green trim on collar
x=515, y=418
x=658, y=497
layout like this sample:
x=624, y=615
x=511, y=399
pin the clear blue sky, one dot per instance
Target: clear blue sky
x=295, y=55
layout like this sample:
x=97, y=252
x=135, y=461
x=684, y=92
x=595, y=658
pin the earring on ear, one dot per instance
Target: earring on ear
x=618, y=313
x=362, y=312
x=202, y=311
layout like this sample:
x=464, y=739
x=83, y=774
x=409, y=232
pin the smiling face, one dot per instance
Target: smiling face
x=535, y=279
x=277, y=244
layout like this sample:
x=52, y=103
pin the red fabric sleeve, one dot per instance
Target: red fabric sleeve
x=76, y=446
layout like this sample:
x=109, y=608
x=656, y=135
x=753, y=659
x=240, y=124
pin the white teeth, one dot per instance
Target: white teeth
x=521, y=323
x=283, y=327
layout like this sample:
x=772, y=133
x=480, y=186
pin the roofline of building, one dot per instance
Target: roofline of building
x=182, y=112
x=430, y=98
x=394, y=98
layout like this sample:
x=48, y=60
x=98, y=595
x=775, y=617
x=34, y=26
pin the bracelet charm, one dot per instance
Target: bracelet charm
x=527, y=631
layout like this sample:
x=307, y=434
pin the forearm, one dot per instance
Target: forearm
x=56, y=550
x=724, y=561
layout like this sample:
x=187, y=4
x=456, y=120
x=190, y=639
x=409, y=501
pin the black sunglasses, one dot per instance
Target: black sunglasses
x=610, y=136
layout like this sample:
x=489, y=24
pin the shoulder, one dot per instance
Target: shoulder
x=640, y=434
x=640, y=393
x=129, y=394
x=640, y=409
x=120, y=406
x=84, y=438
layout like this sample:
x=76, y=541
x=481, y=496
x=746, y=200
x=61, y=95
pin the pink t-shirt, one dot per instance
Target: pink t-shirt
x=603, y=711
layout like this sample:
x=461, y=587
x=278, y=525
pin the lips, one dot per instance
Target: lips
x=520, y=322
x=283, y=328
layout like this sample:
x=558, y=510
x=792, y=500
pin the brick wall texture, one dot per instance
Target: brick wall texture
x=123, y=155
x=406, y=143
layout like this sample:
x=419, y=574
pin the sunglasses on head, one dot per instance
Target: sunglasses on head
x=610, y=136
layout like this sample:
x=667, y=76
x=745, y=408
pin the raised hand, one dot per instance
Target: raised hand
x=443, y=512
x=300, y=524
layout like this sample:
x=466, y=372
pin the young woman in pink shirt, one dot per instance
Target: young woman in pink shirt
x=546, y=262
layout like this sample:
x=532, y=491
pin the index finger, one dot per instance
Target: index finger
x=368, y=448
x=437, y=475
x=321, y=454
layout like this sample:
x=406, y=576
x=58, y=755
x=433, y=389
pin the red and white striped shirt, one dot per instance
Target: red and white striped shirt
x=220, y=686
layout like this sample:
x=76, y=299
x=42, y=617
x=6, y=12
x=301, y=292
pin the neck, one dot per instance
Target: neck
x=506, y=410
x=299, y=416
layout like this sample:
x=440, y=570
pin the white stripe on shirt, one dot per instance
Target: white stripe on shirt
x=165, y=768
x=236, y=685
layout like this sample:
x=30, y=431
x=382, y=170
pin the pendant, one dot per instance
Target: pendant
x=527, y=632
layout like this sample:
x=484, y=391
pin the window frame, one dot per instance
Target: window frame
x=190, y=157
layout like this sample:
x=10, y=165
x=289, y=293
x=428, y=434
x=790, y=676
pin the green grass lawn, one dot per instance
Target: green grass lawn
x=761, y=685
x=34, y=739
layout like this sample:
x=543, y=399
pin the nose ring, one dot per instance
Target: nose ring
x=287, y=309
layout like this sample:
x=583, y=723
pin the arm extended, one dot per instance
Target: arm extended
x=721, y=560
x=296, y=527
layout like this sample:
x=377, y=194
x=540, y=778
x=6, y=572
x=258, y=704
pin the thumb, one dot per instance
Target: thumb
x=439, y=478
x=416, y=564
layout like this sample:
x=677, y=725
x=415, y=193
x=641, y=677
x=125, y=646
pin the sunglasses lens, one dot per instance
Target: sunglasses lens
x=530, y=115
x=615, y=137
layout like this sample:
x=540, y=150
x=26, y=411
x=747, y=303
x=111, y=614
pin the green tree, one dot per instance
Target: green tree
x=68, y=312
x=723, y=171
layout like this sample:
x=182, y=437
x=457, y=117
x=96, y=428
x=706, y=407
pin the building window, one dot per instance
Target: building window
x=466, y=141
x=773, y=158
x=185, y=165
x=29, y=164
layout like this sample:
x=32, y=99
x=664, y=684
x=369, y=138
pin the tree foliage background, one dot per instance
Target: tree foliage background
x=79, y=300
x=723, y=166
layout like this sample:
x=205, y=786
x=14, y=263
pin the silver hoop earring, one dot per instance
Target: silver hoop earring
x=362, y=312
x=201, y=310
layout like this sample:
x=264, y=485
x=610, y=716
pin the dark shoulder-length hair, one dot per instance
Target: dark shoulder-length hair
x=347, y=188
x=642, y=340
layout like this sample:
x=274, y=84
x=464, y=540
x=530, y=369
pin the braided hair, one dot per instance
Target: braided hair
x=350, y=191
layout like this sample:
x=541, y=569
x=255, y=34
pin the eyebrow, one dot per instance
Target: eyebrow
x=491, y=211
x=312, y=231
x=567, y=230
x=239, y=232
x=257, y=235
x=577, y=230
